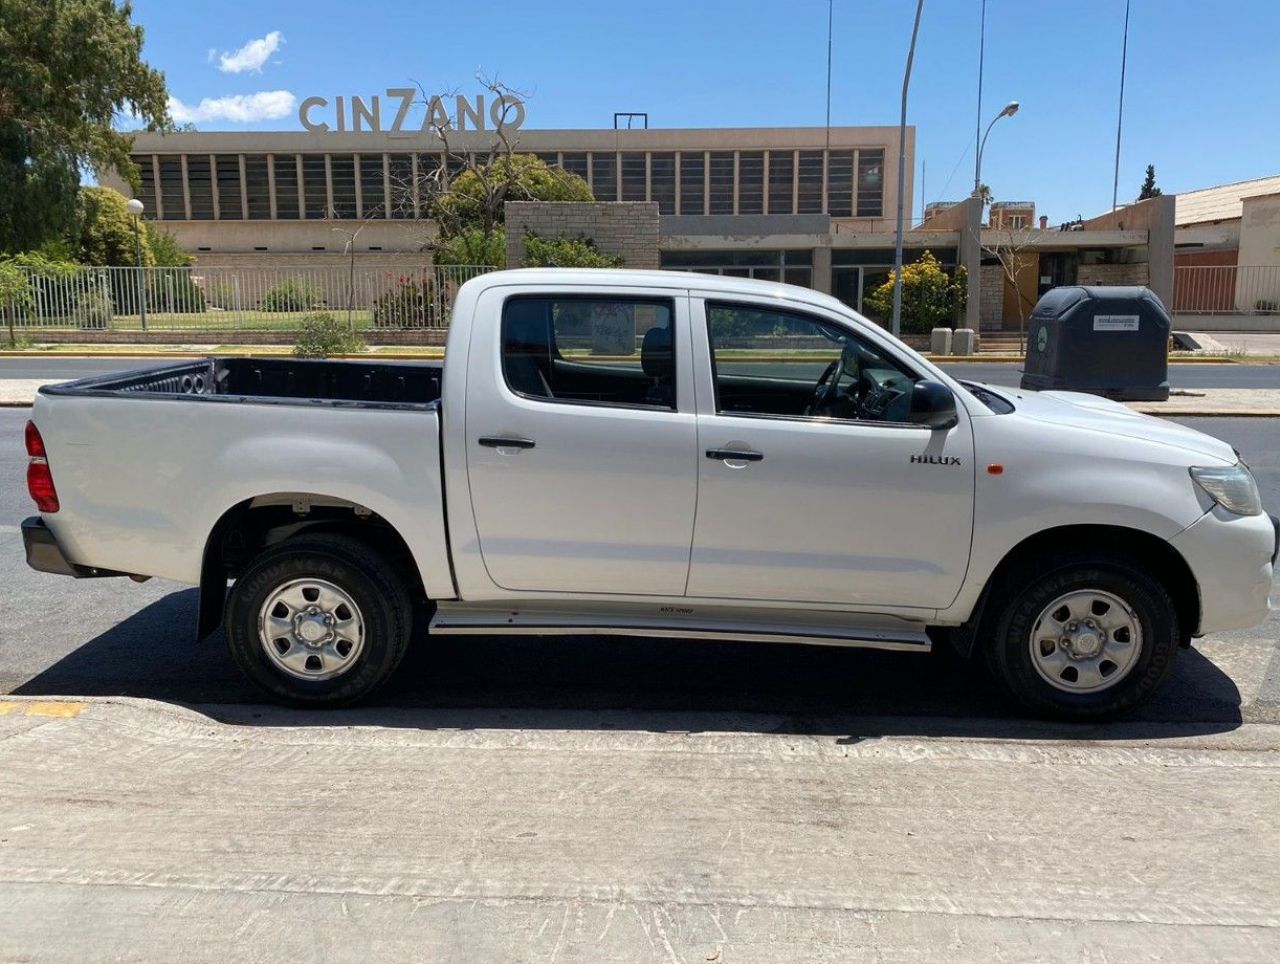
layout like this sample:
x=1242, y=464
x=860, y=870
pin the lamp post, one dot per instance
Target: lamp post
x=1009, y=110
x=134, y=207
x=895, y=324
x=973, y=294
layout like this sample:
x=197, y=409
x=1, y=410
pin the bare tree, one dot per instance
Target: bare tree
x=1015, y=252
x=489, y=166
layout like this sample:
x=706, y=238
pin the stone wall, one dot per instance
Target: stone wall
x=991, y=303
x=1112, y=274
x=626, y=228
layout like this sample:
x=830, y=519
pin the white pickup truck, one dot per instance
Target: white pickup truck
x=653, y=454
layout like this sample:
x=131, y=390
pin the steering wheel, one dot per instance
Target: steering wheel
x=824, y=392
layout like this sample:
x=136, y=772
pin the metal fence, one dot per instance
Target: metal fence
x=1226, y=289
x=234, y=299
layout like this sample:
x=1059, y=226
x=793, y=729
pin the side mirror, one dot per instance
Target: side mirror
x=932, y=404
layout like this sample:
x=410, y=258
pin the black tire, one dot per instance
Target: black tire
x=370, y=581
x=1021, y=601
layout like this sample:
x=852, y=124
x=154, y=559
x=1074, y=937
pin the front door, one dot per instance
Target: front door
x=581, y=441
x=813, y=486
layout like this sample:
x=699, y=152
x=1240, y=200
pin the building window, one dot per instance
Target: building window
x=633, y=177
x=257, y=188
x=575, y=162
x=342, y=168
x=549, y=158
x=604, y=176
x=175, y=208
x=227, y=168
x=1016, y=221
x=809, y=197
x=782, y=169
x=750, y=182
x=793, y=267
x=840, y=184
x=400, y=170
x=373, y=203
x=870, y=184
x=147, y=189
x=662, y=182
x=200, y=187
x=721, y=170
x=314, y=186
x=286, y=175
x=692, y=186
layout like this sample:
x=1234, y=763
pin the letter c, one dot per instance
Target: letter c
x=304, y=114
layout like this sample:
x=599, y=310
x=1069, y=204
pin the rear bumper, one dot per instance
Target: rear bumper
x=45, y=555
x=1233, y=560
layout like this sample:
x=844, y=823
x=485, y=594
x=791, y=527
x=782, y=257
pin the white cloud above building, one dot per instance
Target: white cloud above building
x=238, y=108
x=253, y=56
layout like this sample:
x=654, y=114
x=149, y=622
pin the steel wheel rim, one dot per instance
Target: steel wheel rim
x=311, y=629
x=1085, y=641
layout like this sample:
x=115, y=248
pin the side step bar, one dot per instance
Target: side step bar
x=454, y=620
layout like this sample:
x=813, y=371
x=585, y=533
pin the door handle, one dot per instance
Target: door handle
x=737, y=455
x=493, y=442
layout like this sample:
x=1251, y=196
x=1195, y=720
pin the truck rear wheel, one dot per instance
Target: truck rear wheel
x=319, y=621
x=1085, y=638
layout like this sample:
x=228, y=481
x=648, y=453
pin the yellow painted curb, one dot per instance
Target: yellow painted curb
x=63, y=709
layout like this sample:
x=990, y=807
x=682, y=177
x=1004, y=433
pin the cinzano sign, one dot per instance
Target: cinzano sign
x=389, y=113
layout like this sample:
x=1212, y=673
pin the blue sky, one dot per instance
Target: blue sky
x=1202, y=100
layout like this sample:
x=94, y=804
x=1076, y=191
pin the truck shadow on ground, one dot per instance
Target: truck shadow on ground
x=473, y=682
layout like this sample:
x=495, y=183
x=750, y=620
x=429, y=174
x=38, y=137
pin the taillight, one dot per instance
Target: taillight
x=39, y=478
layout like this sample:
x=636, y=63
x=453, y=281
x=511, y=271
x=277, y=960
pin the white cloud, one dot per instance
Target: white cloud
x=240, y=108
x=252, y=56
x=211, y=55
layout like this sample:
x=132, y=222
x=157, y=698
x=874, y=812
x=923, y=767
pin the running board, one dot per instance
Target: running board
x=885, y=633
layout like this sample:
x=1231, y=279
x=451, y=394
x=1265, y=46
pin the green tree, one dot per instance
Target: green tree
x=471, y=246
x=1149, y=188
x=165, y=250
x=67, y=69
x=579, y=252
x=106, y=231
x=931, y=298
x=14, y=294
x=476, y=198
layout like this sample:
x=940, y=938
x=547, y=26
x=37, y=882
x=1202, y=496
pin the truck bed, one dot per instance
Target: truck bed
x=274, y=380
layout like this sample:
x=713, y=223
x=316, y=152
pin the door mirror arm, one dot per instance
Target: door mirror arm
x=932, y=405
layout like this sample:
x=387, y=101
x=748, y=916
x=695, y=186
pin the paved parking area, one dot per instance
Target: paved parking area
x=615, y=799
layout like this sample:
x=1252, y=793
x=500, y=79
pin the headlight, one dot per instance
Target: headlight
x=1233, y=488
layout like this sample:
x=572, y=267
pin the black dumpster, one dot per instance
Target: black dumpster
x=1106, y=341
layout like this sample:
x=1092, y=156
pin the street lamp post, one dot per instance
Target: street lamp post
x=973, y=294
x=134, y=206
x=1009, y=110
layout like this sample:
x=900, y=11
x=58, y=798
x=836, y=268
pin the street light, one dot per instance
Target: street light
x=1009, y=110
x=134, y=207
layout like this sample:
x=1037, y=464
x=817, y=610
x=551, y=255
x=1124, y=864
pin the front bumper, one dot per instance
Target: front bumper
x=45, y=555
x=1233, y=560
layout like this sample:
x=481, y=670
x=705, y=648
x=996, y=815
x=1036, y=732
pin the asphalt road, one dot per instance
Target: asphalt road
x=1180, y=376
x=110, y=637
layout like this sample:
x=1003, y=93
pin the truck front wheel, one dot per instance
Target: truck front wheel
x=1084, y=639
x=318, y=621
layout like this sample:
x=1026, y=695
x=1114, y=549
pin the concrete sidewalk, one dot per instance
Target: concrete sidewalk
x=1229, y=402
x=140, y=830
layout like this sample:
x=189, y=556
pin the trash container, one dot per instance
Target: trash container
x=1106, y=341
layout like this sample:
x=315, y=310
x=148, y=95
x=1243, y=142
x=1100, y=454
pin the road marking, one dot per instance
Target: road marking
x=63, y=709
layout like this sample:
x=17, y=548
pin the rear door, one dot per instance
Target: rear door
x=813, y=497
x=581, y=439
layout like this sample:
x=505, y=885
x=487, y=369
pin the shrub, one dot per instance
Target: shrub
x=165, y=250
x=291, y=294
x=106, y=235
x=321, y=335
x=562, y=252
x=471, y=246
x=93, y=308
x=410, y=304
x=173, y=292
x=930, y=297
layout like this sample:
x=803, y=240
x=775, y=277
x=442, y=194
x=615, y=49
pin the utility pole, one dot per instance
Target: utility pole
x=1124, y=57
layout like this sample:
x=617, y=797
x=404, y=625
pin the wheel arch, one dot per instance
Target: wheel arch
x=247, y=528
x=1164, y=561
